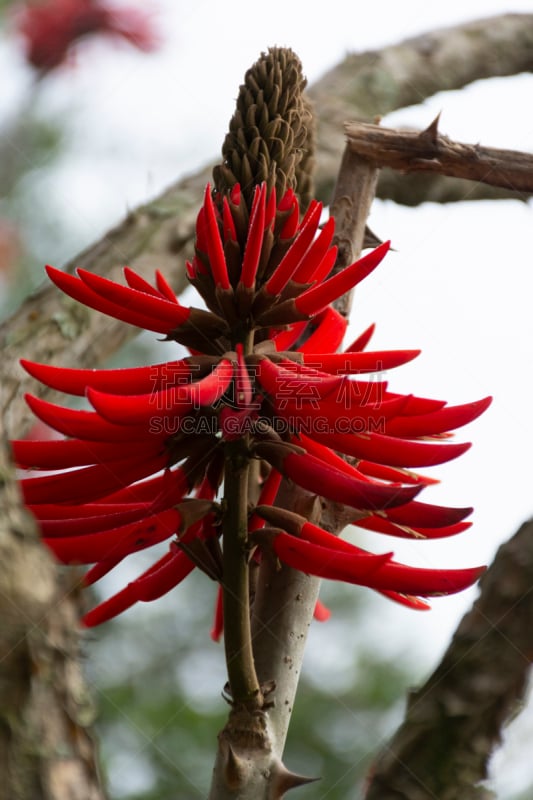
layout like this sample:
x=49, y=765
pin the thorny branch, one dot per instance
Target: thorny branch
x=431, y=152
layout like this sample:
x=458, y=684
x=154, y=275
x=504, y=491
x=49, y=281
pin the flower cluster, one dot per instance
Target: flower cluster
x=264, y=381
x=51, y=27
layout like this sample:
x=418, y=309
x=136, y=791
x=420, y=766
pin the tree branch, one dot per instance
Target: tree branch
x=377, y=82
x=455, y=720
x=46, y=751
x=429, y=151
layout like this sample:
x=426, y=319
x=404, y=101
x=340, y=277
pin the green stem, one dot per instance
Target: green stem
x=244, y=686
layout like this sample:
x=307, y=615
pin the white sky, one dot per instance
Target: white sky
x=459, y=287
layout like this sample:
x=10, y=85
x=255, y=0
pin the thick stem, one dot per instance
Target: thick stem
x=350, y=207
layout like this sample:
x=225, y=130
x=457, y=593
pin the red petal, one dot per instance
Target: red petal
x=218, y=622
x=287, y=338
x=326, y=265
x=215, y=249
x=350, y=363
x=377, y=572
x=115, y=542
x=326, y=563
x=380, y=525
x=136, y=281
x=67, y=453
x=316, y=476
x=235, y=194
x=78, y=290
x=334, y=414
x=426, y=582
x=140, y=409
x=315, y=255
x=207, y=391
x=162, y=490
x=128, y=596
x=357, y=392
x=388, y=450
x=164, y=287
x=283, y=385
x=228, y=225
x=417, y=405
x=427, y=516
x=94, y=517
x=110, y=608
x=166, y=577
x=55, y=513
x=171, y=314
x=135, y=380
x=254, y=242
x=98, y=571
x=447, y=419
x=328, y=455
x=385, y=473
x=290, y=226
x=296, y=252
x=89, y=483
x=362, y=340
x=172, y=402
x=266, y=498
x=328, y=335
x=86, y=424
x=321, y=612
x=318, y=297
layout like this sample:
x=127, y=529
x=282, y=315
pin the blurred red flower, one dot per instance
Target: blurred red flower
x=51, y=28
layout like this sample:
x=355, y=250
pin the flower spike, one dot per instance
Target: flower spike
x=264, y=381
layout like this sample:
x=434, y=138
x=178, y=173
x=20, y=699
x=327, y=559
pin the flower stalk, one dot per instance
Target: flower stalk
x=242, y=677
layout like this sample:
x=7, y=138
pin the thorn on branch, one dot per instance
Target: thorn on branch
x=283, y=781
x=431, y=133
x=234, y=771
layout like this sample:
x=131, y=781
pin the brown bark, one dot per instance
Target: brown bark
x=454, y=721
x=46, y=750
x=428, y=151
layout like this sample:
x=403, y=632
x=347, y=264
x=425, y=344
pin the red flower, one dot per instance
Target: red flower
x=51, y=27
x=147, y=462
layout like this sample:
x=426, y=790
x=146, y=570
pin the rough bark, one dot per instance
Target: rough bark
x=46, y=750
x=454, y=721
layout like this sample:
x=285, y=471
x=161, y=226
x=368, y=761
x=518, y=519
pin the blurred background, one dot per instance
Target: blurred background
x=89, y=131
